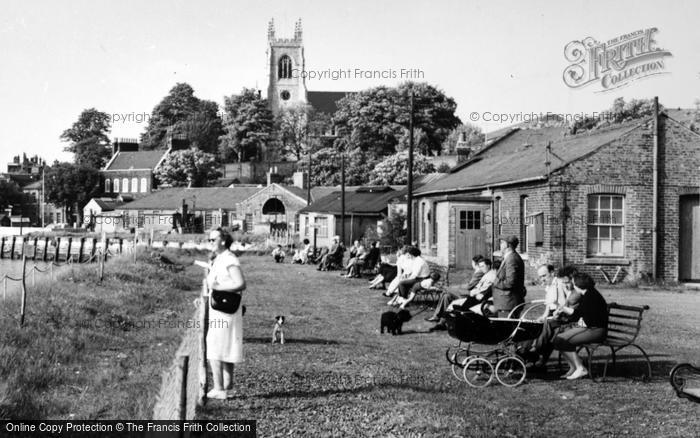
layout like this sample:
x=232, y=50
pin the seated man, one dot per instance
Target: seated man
x=417, y=287
x=278, y=254
x=419, y=271
x=480, y=293
x=447, y=297
x=366, y=261
x=334, y=258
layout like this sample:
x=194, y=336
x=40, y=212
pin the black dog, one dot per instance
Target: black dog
x=393, y=321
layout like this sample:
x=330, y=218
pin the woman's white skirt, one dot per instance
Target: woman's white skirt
x=225, y=336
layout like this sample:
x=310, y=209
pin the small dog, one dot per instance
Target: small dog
x=277, y=331
x=393, y=321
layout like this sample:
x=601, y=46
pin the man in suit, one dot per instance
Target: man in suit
x=509, y=287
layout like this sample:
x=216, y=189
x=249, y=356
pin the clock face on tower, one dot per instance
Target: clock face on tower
x=285, y=95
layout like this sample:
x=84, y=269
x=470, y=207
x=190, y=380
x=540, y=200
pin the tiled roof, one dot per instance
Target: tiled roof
x=107, y=204
x=359, y=200
x=203, y=198
x=521, y=156
x=325, y=101
x=136, y=160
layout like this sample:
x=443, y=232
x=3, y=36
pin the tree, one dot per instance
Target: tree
x=248, y=127
x=181, y=113
x=374, y=120
x=619, y=112
x=89, y=140
x=202, y=128
x=71, y=185
x=292, y=129
x=394, y=169
x=10, y=194
x=325, y=166
x=190, y=167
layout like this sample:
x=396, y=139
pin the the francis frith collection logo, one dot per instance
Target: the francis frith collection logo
x=616, y=62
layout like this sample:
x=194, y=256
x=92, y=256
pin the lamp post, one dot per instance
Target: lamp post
x=409, y=200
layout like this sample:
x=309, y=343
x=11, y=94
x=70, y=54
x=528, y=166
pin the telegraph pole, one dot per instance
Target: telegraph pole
x=409, y=201
x=342, y=196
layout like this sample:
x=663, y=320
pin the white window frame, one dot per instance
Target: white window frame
x=144, y=185
x=600, y=225
x=125, y=185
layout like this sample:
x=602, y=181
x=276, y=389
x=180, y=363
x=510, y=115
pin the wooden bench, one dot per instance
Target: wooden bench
x=624, y=324
x=685, y=380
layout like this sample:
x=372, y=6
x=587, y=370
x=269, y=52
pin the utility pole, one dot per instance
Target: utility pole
x=342, y=196
x=409, y=201
x=308, y=172
x=43, y=193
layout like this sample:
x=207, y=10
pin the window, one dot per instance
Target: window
x=248, y=223
x=134, y=185
x=144, y=185
x=322, y=223
x=284, y=68
x=434, y=223
x=108, y=186
x=116, y=185
x=306, y=226
x=605, y=225
x=125, y=185
x=473, y=220
x=523, y=224
x=470, y=220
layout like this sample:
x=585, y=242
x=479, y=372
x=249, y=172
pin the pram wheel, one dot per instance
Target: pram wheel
x=477, y=372
x=510, y=371
x=460, y=359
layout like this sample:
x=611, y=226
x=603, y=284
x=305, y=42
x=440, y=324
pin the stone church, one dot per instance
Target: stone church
x=287, y=86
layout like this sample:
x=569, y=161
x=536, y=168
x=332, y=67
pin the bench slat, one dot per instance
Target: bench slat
x=617, y=315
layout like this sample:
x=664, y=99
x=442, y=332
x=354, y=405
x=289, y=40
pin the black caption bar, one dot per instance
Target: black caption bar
x=127, y=428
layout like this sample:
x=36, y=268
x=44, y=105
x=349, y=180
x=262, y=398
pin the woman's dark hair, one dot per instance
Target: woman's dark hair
x=496, y=264
x=415, y=252
x=583, y=281
x=225, y=236
x=567, y=271
x=306, y=241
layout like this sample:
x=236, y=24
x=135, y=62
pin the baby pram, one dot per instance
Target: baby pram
x=491, y=346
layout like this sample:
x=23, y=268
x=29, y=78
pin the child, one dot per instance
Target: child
x=278, y=254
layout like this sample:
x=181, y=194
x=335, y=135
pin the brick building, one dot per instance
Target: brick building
x=586, y=199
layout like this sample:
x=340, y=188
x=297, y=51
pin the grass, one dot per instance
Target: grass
x=337, y=376
x=91, y=350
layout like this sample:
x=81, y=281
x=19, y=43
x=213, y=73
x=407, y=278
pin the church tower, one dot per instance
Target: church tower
x=286, y=85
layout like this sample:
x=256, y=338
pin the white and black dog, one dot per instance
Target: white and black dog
x=277, y=331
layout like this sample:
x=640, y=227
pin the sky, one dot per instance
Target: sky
x=493, y=57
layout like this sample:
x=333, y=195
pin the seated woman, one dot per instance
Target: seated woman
x=385, y=273
x=302, y=254
x=357, y=251
x=593, y=310
x=367, y=261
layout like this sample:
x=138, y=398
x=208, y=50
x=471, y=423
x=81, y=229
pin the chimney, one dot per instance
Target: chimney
x=299, y=179
x=462, y=148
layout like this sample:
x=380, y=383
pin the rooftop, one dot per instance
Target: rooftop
x=198, y=198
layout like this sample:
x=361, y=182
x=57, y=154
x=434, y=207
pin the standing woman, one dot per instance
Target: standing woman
x=225, y=335
x=593, y=311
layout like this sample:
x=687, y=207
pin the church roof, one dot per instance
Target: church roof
x=325, y=101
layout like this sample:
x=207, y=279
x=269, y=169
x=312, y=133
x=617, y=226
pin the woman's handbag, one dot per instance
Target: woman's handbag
x=225, y=301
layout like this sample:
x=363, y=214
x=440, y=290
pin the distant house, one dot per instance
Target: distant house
x=586, y=200
x=274, y=209
x=194, y=209
x=102, y=214
x=364, y=208
x=132, y=171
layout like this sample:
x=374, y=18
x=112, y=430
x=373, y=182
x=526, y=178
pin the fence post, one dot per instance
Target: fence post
x=82, y=247
x=2, y=248
x=70, y=244
x=121, y=246
x=183, y=365
x=93, y=249
x=105, y=248
x=57, y=254
x=24, y=291
x=36, y=247
x=12, y=248
x=204, y=324
x=46, y=248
